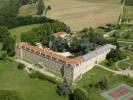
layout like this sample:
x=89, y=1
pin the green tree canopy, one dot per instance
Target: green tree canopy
x=80, y=94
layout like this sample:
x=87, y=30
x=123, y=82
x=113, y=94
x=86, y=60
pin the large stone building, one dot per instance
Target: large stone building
x=70, y=68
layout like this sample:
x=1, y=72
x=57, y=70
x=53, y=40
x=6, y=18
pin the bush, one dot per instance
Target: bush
x=21, y=66
x=63, y=89
x=116, y=55
x=109, y=63
x=43, y=77
x=9, y=95
x=80, y=94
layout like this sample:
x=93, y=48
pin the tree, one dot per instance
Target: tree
x=104, y=83
x=80, y=94
x=60, y=44
x=3, y=53
x=40, y=7
x=21, y=66
x=115, y=55
x=64, y=89
x=47, y=9
x=7, y=41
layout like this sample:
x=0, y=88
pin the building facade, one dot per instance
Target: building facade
x=70, y=68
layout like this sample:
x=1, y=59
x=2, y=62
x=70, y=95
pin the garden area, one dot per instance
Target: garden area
x=27, y=88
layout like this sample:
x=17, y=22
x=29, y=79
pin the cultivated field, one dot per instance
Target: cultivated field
x=79, y=14
x=27, y=10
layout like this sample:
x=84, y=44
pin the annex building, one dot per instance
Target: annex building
x=70, y=68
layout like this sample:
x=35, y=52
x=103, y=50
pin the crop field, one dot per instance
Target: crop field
x=80, y=14
x=27, y=10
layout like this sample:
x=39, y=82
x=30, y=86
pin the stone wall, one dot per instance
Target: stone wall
x=71, y=72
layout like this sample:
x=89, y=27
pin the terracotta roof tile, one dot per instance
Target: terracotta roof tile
x=50, y=53
x=58, y=34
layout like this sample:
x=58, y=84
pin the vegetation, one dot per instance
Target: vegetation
x=28, y=88
x=40, y=7
x=43, y=33
x=8, y=43
x=9, y=95
x=44, y=77
x=90, y=78
x=80, y=94
x=21, y=66
x=3, y=53
x=63, y=89
x=116, y=55
x=9, y=18
x=16, y=32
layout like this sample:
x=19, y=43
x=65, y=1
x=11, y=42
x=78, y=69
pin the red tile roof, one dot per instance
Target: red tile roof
x=50, y=53
x=58, y=34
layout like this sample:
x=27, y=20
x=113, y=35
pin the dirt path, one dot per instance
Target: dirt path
x=116, y=64
x=126, y=72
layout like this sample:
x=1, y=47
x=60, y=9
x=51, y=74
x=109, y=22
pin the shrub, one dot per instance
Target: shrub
x=80, y=94
x=21, y=66
x=63, y=89
x=9, y=95
x=43, y=77
x=109, y=63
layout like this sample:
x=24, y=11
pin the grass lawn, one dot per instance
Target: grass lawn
x=30, y=89
x=16, y=32
x=97, y=74
x=128, y=13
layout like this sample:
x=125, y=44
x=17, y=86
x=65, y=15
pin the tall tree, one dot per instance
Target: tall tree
x=47, y=9
x=40, y=7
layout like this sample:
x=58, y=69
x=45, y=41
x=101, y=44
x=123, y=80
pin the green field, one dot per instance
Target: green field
x=30, y=89
x=128, y=13
x=97, y=74
x=16, y=32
